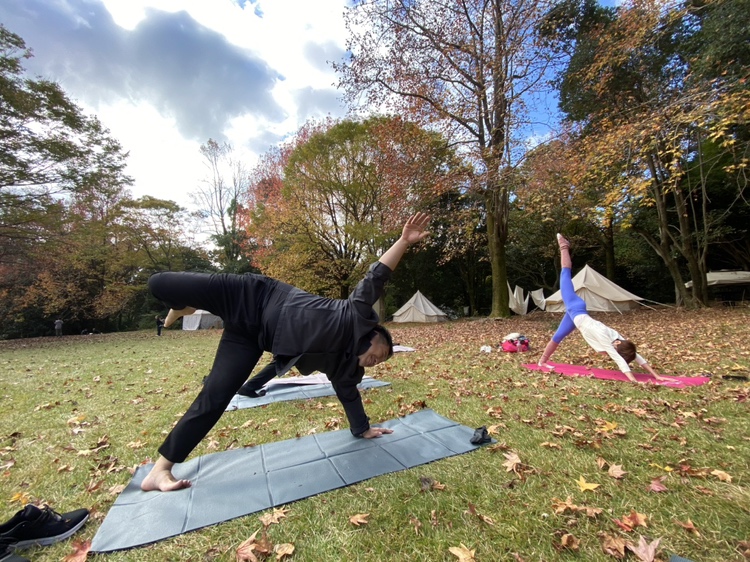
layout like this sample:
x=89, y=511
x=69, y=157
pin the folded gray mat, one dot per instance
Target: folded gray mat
x=296, y=388
x=243, y=481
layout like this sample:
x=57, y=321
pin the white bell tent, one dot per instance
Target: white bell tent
x=600, y=294
x=419, y=309
x=201, y=320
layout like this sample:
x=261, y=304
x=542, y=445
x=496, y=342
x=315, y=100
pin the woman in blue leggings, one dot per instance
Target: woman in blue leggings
x=600, y=337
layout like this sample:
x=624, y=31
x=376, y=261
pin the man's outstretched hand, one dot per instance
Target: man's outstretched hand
x=415, y=228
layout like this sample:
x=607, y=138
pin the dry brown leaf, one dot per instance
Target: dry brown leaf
x=616, y=471
x=644, y=551
x=274, y=517
x=473, y=511
x=416, y=523
x=512, y=461
x=282, y=550
x=614, y=546
x=245, y=550
x=721, y=475
x=569, y=542
x=80, y=551
x=359, y=519
x=601, y=463
x=462, y=553
x=689, y=527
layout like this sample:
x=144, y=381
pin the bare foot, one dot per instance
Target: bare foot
x=176, y=314
x=546, y=366
x=163, y=481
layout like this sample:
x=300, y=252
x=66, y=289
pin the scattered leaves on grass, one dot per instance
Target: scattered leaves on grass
x=275, y=516
x=359, y=519
x=689, y=527
x=614, y=546
x=282, y=550
x=721, y=475
x=657, y=485
x=569, y=542
x=246, y=552
x=462, y=553
x=21, y=498
x=473, y=511
x=632, y=520
x=80, y=551
x=428, y=484
x=586, y=486
x=562, y=507
x=644, y=551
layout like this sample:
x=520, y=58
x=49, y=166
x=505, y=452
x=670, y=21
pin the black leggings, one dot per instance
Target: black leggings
x=241, y=301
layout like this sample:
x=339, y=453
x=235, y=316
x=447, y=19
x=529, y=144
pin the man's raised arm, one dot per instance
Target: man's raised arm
x=413, y=232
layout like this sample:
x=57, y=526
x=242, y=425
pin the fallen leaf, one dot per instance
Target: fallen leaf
x=274, y=517
x=473, y=511
x=462, y=553
x=721, y=475
x=657, y=485
x=80, y=551
x=512, y=462
x=614, y=546
x=569, y=542
x=430, y=484
x=689, y=527
x=583, y=485
x=359, y=519
x=644, y=551
x=282, y=550
x=416, y=523
x=616, y=471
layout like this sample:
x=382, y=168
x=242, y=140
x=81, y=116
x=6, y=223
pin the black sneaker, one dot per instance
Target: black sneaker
x=6, y=552
x=480, y=436
x=33, y=526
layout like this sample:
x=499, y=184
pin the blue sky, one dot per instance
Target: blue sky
x=166, y=75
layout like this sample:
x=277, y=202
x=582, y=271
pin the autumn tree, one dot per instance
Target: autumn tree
x=344, y=191
x=666, y=136
x=218, y=200
x=464, y=67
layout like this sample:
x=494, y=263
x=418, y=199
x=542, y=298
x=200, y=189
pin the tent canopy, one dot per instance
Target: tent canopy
x=419, y=309
x=717, y=278
x=600, y=294
x=201, y=320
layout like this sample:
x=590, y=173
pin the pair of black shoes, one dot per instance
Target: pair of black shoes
x=33, y=526
x=481, y=436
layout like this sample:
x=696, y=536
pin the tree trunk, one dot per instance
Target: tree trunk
x=497, y=236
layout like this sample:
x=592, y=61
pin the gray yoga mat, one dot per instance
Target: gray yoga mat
x=239, y=482
x=296, y=388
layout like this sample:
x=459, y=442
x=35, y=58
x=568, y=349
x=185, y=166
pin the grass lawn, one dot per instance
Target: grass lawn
x=80, y=412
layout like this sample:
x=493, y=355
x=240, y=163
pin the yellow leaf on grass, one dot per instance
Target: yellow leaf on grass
x=359, y=519
x=462, y=553
x=721, y=475
x=583, y=485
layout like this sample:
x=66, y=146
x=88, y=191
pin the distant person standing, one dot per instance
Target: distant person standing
x=58, y=327
x=159, y=324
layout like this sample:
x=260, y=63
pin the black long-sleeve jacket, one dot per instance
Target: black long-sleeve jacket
x=316, y=333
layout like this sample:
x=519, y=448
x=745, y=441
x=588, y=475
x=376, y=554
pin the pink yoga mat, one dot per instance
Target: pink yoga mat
x=583, y=371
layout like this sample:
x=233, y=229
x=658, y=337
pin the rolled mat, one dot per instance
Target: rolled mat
x=296, y=388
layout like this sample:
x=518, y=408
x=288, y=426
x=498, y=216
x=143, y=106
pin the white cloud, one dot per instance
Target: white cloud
x=166, y=75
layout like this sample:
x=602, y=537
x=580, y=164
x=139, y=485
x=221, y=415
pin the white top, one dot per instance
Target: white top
x=601, y=337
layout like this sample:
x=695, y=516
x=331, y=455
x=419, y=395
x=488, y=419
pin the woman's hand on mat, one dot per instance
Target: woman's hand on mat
x=374, y=432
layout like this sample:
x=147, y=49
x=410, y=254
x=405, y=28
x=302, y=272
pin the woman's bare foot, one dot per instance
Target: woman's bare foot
x=176, y=314
x=163, y=481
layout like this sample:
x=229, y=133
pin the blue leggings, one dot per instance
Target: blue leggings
x=574, y=306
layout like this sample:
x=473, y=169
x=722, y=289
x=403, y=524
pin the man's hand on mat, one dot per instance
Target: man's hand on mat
x=374, y=432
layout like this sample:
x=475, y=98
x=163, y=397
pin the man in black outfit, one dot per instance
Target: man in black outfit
x=339, y=337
